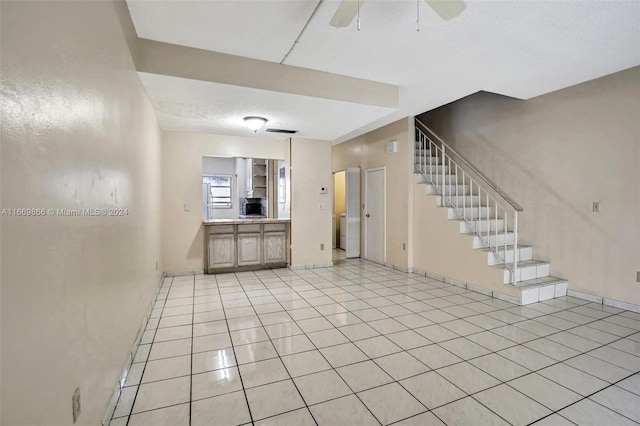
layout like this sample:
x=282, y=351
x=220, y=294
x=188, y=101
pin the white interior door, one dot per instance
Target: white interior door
x=352, y=213
x=375, y=214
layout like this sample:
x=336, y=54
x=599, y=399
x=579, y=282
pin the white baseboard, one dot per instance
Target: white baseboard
x=604, y=301
x=585, y=296
x=183, y=273
x=310, y=266
x=621, y=305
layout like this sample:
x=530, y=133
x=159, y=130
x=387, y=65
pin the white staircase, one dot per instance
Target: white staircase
x=486, y=212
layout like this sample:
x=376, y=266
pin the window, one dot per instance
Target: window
x=219, y=191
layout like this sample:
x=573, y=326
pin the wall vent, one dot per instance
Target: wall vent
x=289, y=132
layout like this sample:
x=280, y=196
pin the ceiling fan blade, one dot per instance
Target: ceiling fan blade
x=345, y=13
x=447, y=9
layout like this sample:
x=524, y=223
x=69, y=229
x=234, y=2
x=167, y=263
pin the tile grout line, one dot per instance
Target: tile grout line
x=291, y=286
x=237, y=366
x=191, y=354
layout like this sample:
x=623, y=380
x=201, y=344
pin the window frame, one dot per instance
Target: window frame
x=211, y=198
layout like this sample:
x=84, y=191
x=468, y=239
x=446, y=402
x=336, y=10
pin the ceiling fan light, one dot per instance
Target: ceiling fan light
x=255, y=123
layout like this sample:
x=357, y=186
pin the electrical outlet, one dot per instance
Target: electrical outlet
x=75, y=404
x=596, y=207
x=321, y=246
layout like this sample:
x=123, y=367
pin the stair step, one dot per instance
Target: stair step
x=527, y=270
x=481, y=226
x=495, y=240
x=459, y=201
x=450, y=189
x=437, y=179
x=474, y=213
x=524, y=253
x=427, y=159
x=541, y=289
x=435, y=169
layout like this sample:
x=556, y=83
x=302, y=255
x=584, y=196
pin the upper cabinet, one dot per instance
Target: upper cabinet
x=256, y=177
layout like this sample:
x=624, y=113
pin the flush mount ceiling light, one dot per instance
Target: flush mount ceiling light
x=255, y=123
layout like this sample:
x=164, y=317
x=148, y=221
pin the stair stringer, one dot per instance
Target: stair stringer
x=441, y=249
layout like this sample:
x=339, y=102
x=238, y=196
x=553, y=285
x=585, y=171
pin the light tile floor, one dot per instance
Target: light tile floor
x=360, y=343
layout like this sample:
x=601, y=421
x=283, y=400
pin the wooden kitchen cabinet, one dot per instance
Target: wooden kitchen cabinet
x=237, y=245
x=249, y=249
x=222, y=251
x=275, y=247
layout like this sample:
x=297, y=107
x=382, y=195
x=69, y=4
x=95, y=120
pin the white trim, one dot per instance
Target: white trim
x=310, y=266
x=621, y=305
x=184, y=273
x=604, y=301
x=384, y=212
x=420, y=272
x=457, y=283
x=507, y=298
x=585, y=296
x=478, y=289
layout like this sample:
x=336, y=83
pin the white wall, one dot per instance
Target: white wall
x=555, y=155
x=224, y=166
x=77, y=132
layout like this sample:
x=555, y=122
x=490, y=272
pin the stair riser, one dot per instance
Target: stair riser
x=540, y=294
x=427, y=160
x=482, y=226
x=469, y=214
x=467, y=201
x=479, y=243
x=525, y=253
x=437, y=179
x=435, y=170
x=462, y=189
x=528, y=273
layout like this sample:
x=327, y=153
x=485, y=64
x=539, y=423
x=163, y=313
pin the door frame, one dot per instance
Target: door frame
x=384, y=212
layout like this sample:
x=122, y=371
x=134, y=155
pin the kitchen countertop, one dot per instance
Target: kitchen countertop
x=243, y=221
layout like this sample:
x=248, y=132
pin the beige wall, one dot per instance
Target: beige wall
x=310, y=226
x=77, y=132
x=555, y=155
x=182, y=152
x=370, y=151
x=439, y=247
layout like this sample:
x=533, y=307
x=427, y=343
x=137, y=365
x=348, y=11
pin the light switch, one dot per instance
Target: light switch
x=187, y=208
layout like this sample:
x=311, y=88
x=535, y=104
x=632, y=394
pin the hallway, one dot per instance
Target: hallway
x=360, y=343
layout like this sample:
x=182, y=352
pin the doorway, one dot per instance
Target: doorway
x=375, y=220
x=347, y=211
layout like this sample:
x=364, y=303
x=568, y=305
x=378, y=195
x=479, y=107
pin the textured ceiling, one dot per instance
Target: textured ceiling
x=516, y=48
x=197, y=106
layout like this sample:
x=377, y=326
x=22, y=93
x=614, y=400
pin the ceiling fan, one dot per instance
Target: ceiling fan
x=348, y=9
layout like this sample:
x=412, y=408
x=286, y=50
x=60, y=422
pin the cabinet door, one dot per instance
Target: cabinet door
x=222, y=251
x=249, y=249
x=275, y=247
